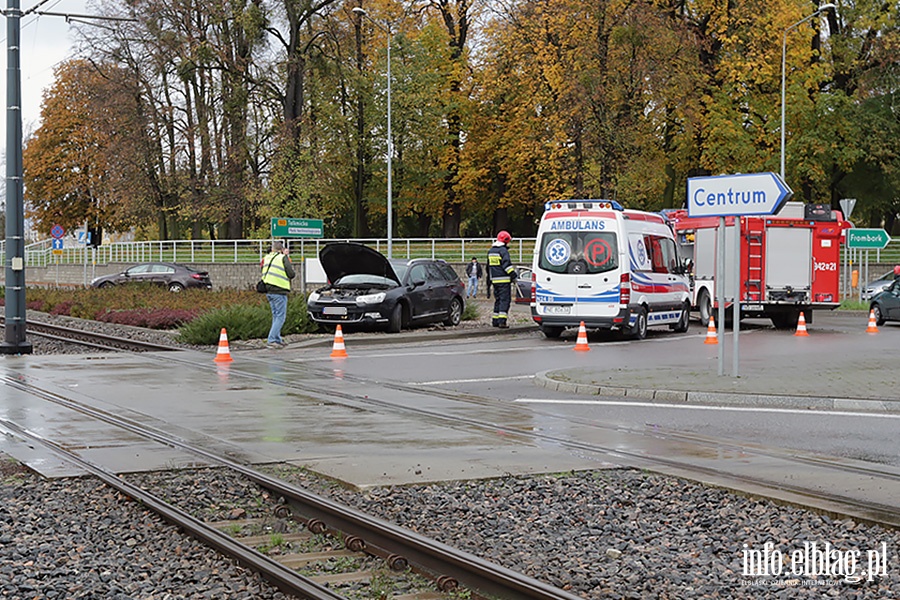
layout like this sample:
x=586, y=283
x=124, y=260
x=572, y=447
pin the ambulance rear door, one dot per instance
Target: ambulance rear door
x=577, y=270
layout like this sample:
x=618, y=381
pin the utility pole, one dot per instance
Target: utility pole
x=14, y=259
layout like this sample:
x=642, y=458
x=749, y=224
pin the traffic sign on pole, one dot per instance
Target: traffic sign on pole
x=736, y=195
x=871, y=239
x=57, y=231
x=297, y=228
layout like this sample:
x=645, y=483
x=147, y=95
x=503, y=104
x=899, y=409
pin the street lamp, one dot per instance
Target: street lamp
x=390, y=147
x=783, y=53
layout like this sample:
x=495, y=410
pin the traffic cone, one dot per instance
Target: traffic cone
x=711, y=336
x=338, y=351
x=873, y=326
x=581, y=345
x=801, y=326
x=223, y=355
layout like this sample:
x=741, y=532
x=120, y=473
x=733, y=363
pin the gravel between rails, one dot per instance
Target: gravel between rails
x=620, y=534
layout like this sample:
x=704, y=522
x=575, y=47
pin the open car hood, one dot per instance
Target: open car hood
x=351, y=258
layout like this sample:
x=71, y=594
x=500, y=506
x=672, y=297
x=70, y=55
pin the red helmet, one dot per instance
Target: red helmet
x=503, y=237
x=897, y=270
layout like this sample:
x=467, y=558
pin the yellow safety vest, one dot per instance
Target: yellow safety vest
x=273, y=271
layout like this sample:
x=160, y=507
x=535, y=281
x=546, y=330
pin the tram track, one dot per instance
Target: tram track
x=797, y=495
x=90, y=339
x=399, y=548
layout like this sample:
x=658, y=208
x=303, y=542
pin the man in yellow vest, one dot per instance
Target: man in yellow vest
x=277, y=272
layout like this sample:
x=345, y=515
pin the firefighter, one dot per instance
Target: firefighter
x=501, y=274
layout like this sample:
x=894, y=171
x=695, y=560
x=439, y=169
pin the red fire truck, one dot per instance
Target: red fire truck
x=789, y=262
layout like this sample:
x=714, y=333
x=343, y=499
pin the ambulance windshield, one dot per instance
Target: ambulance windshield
x=579, y=252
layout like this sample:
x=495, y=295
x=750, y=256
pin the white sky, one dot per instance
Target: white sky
x=45, y=42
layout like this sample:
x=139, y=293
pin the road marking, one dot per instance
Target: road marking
x=795, y=411
x=477, y=380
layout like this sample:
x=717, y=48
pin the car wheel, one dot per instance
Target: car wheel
x=105, y=285
x=454, y=314
x=395, y=322
x=685, y=320
x=879, y=315
x=175, y=287
x=639, y=330
x=551, y=332
x=704, y=305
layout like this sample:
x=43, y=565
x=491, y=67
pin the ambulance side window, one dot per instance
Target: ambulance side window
x=663, y=255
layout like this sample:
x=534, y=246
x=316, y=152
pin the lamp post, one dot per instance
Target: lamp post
x=390, y=147
x=822, y=8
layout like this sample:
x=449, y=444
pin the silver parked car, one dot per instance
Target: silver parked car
x=877, y=286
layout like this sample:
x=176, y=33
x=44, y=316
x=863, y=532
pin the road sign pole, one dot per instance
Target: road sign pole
x=736, y=306
x=720, y=292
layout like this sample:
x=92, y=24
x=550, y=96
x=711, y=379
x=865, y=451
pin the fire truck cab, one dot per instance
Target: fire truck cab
x=789, y=262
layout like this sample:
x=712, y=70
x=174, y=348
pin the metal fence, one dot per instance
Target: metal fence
x=41, y=254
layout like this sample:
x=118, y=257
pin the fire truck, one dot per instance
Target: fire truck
x=789, y=262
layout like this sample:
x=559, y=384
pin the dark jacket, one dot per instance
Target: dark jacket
x=500, y=267
x=474, y=268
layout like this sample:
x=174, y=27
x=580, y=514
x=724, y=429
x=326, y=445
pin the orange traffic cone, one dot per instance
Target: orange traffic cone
x=801, y=326
x=711, y=336
x=223, y=354
x=338, y=351
x=873, y=326
x=581, y=345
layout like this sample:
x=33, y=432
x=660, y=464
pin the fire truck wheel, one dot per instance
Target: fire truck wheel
x=704, y=305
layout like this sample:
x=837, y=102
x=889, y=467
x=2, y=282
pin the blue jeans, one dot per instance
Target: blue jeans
x=473, y=287
x=278, y=303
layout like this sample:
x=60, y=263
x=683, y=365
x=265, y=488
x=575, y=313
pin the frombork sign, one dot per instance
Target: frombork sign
x=736, y=195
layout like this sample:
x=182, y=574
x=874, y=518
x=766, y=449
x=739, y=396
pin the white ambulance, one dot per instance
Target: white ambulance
x=612, y=268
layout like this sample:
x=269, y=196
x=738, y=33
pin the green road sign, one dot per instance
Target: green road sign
x=867, y=238
x=296, y=228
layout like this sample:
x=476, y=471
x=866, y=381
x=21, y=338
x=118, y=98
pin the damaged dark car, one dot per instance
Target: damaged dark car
x=368, y=290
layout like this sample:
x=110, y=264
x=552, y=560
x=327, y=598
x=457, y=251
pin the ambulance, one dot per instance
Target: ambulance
x=611, y=268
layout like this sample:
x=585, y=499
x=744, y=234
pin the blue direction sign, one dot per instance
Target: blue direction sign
x=736, y=195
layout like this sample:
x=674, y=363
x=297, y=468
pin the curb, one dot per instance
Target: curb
x=546, y=379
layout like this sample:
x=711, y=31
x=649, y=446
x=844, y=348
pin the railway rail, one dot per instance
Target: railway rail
x=89, y=339
x=400, y=548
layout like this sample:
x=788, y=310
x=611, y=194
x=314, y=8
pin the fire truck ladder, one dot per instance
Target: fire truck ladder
x=755, y=234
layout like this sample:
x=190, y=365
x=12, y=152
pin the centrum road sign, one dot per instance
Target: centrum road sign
x=297, y=228
x=867, y=238
x=736, y=195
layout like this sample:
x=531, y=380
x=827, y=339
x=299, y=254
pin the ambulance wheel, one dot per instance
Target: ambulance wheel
x=685, y=320
x=704, y=305
x=639, y=330
x=551, y=332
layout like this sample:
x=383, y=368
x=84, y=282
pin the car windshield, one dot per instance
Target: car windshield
x=365, y=279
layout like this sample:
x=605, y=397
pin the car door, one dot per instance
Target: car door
x=137, y=274
x=418, y=291
x=438, y=289
x=891, y=302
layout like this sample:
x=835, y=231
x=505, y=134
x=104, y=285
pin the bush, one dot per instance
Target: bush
x=246, y=322
x=471, y=311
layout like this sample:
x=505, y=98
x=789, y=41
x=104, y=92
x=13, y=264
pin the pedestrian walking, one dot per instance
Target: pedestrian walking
x=502, y=275
x=277, y=272
x=474, y=273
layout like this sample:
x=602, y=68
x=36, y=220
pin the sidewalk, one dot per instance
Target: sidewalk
x=839, y=367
